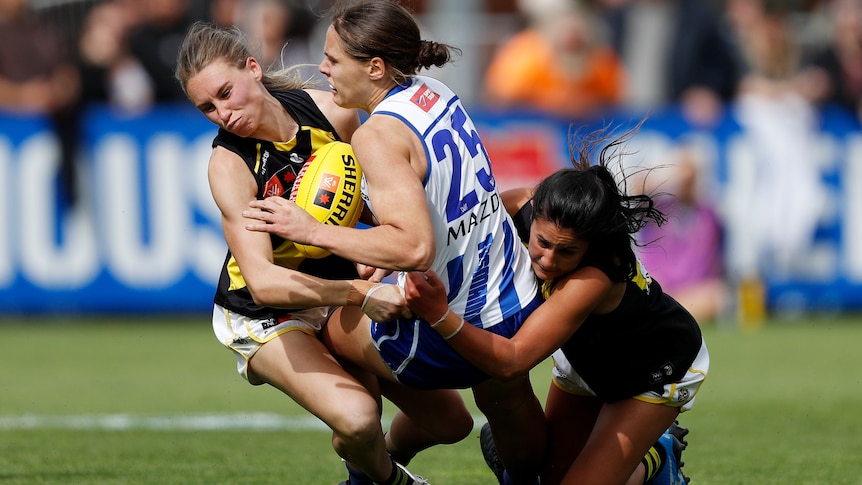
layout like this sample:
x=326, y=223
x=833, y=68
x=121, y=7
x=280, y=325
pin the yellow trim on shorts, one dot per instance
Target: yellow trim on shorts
x=660, y=400
x=282, y=332
x=559, y=386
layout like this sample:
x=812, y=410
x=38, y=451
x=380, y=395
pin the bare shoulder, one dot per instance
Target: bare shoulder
x=389, y=141
x=345, y=121
x=388, y=134
x=514, y=199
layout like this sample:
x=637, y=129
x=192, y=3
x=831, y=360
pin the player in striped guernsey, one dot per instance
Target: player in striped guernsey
x=431, y=188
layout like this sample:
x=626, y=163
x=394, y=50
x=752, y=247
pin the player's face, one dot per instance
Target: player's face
x=554, y=251
x=229, y=97
x=346, y=75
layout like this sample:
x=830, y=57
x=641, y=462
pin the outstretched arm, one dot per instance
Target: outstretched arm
x=546, y=329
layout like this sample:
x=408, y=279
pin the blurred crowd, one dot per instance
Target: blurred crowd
x=56, y=58
x=774, y=62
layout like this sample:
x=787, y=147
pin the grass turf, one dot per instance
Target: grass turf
x=156, y=400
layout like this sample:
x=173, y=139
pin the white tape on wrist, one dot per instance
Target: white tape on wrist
x=368, y=295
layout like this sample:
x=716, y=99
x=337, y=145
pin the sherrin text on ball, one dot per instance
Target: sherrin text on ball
x=328, y=188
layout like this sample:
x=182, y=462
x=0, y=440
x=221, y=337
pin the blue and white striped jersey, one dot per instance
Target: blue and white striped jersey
x=479, y=257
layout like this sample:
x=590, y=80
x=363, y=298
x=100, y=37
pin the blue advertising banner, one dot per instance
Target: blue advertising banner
x=145, y=235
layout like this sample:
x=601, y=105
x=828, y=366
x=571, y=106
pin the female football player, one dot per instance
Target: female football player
x=431, y=189
x=271, y=303
x=628, y=358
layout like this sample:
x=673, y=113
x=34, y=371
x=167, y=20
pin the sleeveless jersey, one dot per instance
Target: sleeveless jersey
x=648, y=341
x=485, y=269
x=275, y=166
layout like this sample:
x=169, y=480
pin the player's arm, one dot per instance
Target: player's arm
x=544, y=331
x=514, y=199
x=233, y=187
x=393, y=163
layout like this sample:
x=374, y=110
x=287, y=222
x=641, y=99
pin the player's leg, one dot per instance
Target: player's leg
x=300, y=365
x=623, y=433
x=570, y=419
x=424, y=419
x=348, y=336
x=517, y=425
x=421, y=422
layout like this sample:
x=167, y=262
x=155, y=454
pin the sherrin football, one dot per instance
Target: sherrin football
x=328, y=188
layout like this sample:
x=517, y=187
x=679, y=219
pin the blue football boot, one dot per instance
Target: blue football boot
x=673, y=443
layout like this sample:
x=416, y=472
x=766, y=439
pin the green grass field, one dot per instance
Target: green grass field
x=157, y=401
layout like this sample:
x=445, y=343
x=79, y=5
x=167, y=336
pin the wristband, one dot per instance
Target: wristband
x=449, y=325
x=460, y=326
x=368, y=295
x=441, y=318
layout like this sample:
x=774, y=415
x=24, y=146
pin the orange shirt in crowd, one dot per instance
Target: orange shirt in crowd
x=526, y=72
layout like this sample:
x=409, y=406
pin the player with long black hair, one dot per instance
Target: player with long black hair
x=628, y=358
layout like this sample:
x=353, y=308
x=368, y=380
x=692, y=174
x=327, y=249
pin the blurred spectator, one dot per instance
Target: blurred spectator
x=674, y=51
x=686, y=254
x=38, y=78
x=224, y=13
x=270, y=26
x=109, y=71
x=155, y=43
x=776, y=216
x=558, y=65
x=835, y=70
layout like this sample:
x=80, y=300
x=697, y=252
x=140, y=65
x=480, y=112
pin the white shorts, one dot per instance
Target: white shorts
x=244, y=335
x=678, y=394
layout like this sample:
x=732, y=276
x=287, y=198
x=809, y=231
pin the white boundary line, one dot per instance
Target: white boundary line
x=192, y=422
x=184, y=422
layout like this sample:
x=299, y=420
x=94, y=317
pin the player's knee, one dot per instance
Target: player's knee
x=455, y=427
x=356, y=432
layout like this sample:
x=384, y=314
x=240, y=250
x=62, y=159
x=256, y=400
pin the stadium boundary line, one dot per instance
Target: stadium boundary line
x=179, y=422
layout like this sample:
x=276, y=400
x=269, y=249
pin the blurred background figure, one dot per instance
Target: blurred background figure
x=674, y=51
x=273, y=29
x=834, y=69
x=155, y=42
x=686, y=254
x=558, y=65
x=38, y=77
x=223, y=13
x=778, y=204
x=109, y=71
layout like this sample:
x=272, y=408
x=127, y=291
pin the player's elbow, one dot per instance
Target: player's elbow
x=260, y=295
x=508, y=373
x=264, y=294
x=510, y=365
x=418, y=257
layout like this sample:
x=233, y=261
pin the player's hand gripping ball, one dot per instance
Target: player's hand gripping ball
x=328, y=188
